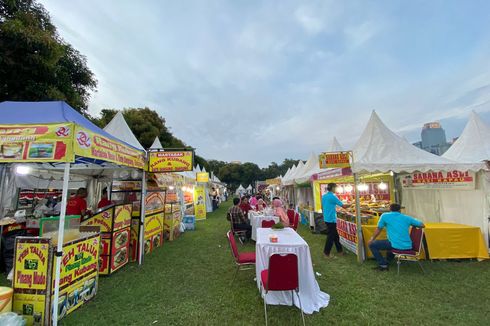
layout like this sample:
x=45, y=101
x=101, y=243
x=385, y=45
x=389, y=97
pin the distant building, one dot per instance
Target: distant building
x=433, y=139
x=236, y=162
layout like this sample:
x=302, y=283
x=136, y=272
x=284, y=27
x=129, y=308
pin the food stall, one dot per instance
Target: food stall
x=165, y=166
x=53, y=138
x=34, y=271
x=419, y=173
x=153, y=224
x=114, y=222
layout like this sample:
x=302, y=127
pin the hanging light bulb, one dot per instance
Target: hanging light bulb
x=348, y=188
x=362, y=187
x=382, y=186
x=22, y=169
x=171, y=187
x=339, y=190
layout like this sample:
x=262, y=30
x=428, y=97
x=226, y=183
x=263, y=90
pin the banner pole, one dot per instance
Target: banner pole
x=59, y=249
x=360, y=243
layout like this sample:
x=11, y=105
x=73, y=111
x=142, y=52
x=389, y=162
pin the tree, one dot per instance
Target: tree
x=145, y=123
x=36, y=64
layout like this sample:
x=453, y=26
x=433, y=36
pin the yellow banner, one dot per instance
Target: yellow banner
x=31, y=307
x=92, y=145
x=79, y=260
x=37, y=143
x=275, y=181
x=102, y=219
x=122, y=218
x=200, y=202
x=335, y=160
x=76, y=294
x=202, y=177
x=31, y=265
x=171, y=161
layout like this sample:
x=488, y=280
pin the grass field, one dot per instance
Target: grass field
x=187, y=282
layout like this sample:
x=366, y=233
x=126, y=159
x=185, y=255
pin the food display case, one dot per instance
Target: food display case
x=171, y=223
x=154, y=216
x=115, y=225
x=34, y=271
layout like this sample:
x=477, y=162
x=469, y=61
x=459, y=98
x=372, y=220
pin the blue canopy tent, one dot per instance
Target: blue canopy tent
x=55, y=136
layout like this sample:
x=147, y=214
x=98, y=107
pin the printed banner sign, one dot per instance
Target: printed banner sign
x=457, y=180
x=202, y=177
x=92, y=145
x=275, y=181
x=122, y=218
x=348, y=234
x=200, y=202
x=335, y=160
x=31, y=265
x=79, y=260
x=171, y=161
x=36, y=143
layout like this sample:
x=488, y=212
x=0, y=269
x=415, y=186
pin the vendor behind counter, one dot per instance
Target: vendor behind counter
x=77, y=205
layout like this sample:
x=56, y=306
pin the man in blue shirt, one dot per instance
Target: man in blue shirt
x=329, y=208
x=397, y=227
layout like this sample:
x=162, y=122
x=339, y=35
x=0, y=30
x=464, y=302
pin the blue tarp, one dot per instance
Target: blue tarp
x=47, y=112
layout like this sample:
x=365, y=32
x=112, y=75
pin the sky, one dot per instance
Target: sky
x=262, y=81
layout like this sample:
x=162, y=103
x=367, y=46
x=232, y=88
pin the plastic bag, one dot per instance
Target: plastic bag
x=11, y=319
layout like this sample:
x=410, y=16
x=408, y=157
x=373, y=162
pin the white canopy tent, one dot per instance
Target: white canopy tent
x=119, y=128
x=156, y=144
x=381, y=150
x=474, y=143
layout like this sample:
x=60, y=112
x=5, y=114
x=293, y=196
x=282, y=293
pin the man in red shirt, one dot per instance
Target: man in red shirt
x=245, y=206
x=77, y=205
x=104, y=201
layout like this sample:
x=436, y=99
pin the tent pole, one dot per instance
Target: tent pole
x=59, y=249
x=360, y=244
x=142, y=220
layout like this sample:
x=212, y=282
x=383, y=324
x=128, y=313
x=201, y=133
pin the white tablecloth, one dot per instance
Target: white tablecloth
x=256, y=222
x=312, y=298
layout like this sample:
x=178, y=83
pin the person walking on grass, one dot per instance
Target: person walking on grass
x=329, y=208
x=398, y=230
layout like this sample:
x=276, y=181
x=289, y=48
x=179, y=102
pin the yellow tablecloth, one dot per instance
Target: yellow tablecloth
x=444, y=241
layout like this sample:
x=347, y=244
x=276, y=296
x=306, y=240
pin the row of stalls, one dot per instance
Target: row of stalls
x=48, y=151
x=451, y=193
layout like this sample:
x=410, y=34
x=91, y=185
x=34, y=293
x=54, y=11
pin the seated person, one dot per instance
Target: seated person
x=261, y=205
x=398, y=230
x=245, y=206
x=280, y=212
x=104, y=201
x=236, y=216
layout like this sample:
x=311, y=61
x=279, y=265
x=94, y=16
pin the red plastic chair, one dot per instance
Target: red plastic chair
x=268, y=224
x=282, y=275
x=239, y=233
x=417, y=236
x=241, y=259
x=293, y=217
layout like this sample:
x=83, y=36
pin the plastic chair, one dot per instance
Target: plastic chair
x=282, y=275
x=241, y=259
x=417, y=236
x=239, y=233
x=293, y=217
x=268, y=224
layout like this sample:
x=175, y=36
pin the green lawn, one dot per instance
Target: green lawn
x=187, y=282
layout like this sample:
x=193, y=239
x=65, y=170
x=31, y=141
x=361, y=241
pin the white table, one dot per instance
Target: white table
x=312, y=298
x=256, y=222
